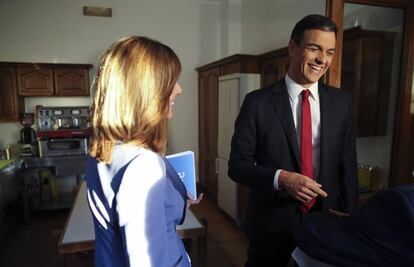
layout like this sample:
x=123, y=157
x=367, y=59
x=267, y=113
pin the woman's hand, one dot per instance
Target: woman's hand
x=191, y=201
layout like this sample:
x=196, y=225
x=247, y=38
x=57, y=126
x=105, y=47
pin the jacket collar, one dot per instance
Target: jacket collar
x=280, y=100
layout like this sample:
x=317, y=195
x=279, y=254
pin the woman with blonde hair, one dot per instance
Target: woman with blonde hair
x=135, y=196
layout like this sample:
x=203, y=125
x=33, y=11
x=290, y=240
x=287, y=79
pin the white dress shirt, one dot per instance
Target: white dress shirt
x=295, y=99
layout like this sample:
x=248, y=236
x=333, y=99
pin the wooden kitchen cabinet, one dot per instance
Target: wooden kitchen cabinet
x=273, y=66
x=41, y=79
x=366, y=76
x=35, y=81
x=71, y=82
x=208, y=128
x=208, y=83
x=19, y=79
x=11, y=105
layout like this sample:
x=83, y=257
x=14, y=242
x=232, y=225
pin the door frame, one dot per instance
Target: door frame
x=401, y=168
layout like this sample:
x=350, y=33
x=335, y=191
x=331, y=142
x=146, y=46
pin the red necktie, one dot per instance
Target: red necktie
x=306, y=145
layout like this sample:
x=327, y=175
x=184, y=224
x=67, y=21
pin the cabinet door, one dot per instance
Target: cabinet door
x=208, y=128
x=366, y=76
x=284, y=65
x=10, y=103
x=351, y=75
x=71, y=82
x=273, y=69
x=269, y=71
x=202, y=128
x=35, y=81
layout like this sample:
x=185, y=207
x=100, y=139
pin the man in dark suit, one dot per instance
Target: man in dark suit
x=381, y=234
x=295, y=150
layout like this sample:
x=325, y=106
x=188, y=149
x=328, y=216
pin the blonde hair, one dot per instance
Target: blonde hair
x=132, y=87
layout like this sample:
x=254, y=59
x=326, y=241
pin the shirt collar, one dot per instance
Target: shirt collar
x=295, y=89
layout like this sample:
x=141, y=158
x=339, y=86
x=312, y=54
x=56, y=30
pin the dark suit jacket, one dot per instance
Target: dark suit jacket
x=265, y=140
x=381, y=234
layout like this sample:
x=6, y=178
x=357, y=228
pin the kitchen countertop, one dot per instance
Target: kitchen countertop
x=9, y=185
x=64, y=165
x=6, y=162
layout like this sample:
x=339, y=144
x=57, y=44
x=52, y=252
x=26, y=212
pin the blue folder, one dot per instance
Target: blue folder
x=184, y=165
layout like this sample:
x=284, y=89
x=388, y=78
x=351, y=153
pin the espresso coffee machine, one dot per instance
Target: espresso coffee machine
x=63, y=131
x=27, y=135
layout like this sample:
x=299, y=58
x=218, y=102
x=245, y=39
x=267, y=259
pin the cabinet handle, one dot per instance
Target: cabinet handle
x=216, y=167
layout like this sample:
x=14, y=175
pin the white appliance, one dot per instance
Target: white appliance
x=232, y=90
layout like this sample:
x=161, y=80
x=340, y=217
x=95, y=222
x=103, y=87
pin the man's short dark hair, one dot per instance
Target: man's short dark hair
x=311, y=22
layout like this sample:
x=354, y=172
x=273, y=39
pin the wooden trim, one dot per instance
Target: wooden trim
x=274, y=53
x=400, y=161
x=401, y=150
x=356, y=32
x=227, y=60
x=254, y=59
x=45, y=65
x=385, y=3
x=335, y=11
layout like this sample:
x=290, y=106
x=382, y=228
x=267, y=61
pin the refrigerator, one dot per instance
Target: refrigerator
x=232, y=90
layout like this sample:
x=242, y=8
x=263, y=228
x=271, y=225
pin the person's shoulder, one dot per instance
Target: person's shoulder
x=330, y=88
x=147, y=163
x=407, y=191
x=266, y=91
x=334, y=91
x=148, y=159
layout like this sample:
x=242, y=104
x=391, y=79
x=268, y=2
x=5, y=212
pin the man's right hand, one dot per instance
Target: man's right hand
x=300, y=186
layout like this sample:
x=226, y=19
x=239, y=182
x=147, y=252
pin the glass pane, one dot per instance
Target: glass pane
x=371, y=73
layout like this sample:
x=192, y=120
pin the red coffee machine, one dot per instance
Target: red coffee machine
x=63, y=131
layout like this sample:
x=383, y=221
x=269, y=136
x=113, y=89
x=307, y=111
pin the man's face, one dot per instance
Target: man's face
x=312, y=57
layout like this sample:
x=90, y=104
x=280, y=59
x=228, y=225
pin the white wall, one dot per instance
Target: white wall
x=211, y=39
x=221, y=30
x=267, y=24
x=250, y=26
x=234, y=27
x=56, y=31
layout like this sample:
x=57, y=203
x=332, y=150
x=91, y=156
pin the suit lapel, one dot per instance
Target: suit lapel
x=325, y=117
x=280, y=100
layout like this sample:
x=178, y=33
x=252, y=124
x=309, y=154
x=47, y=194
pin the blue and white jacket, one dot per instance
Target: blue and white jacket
x=136, y=201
